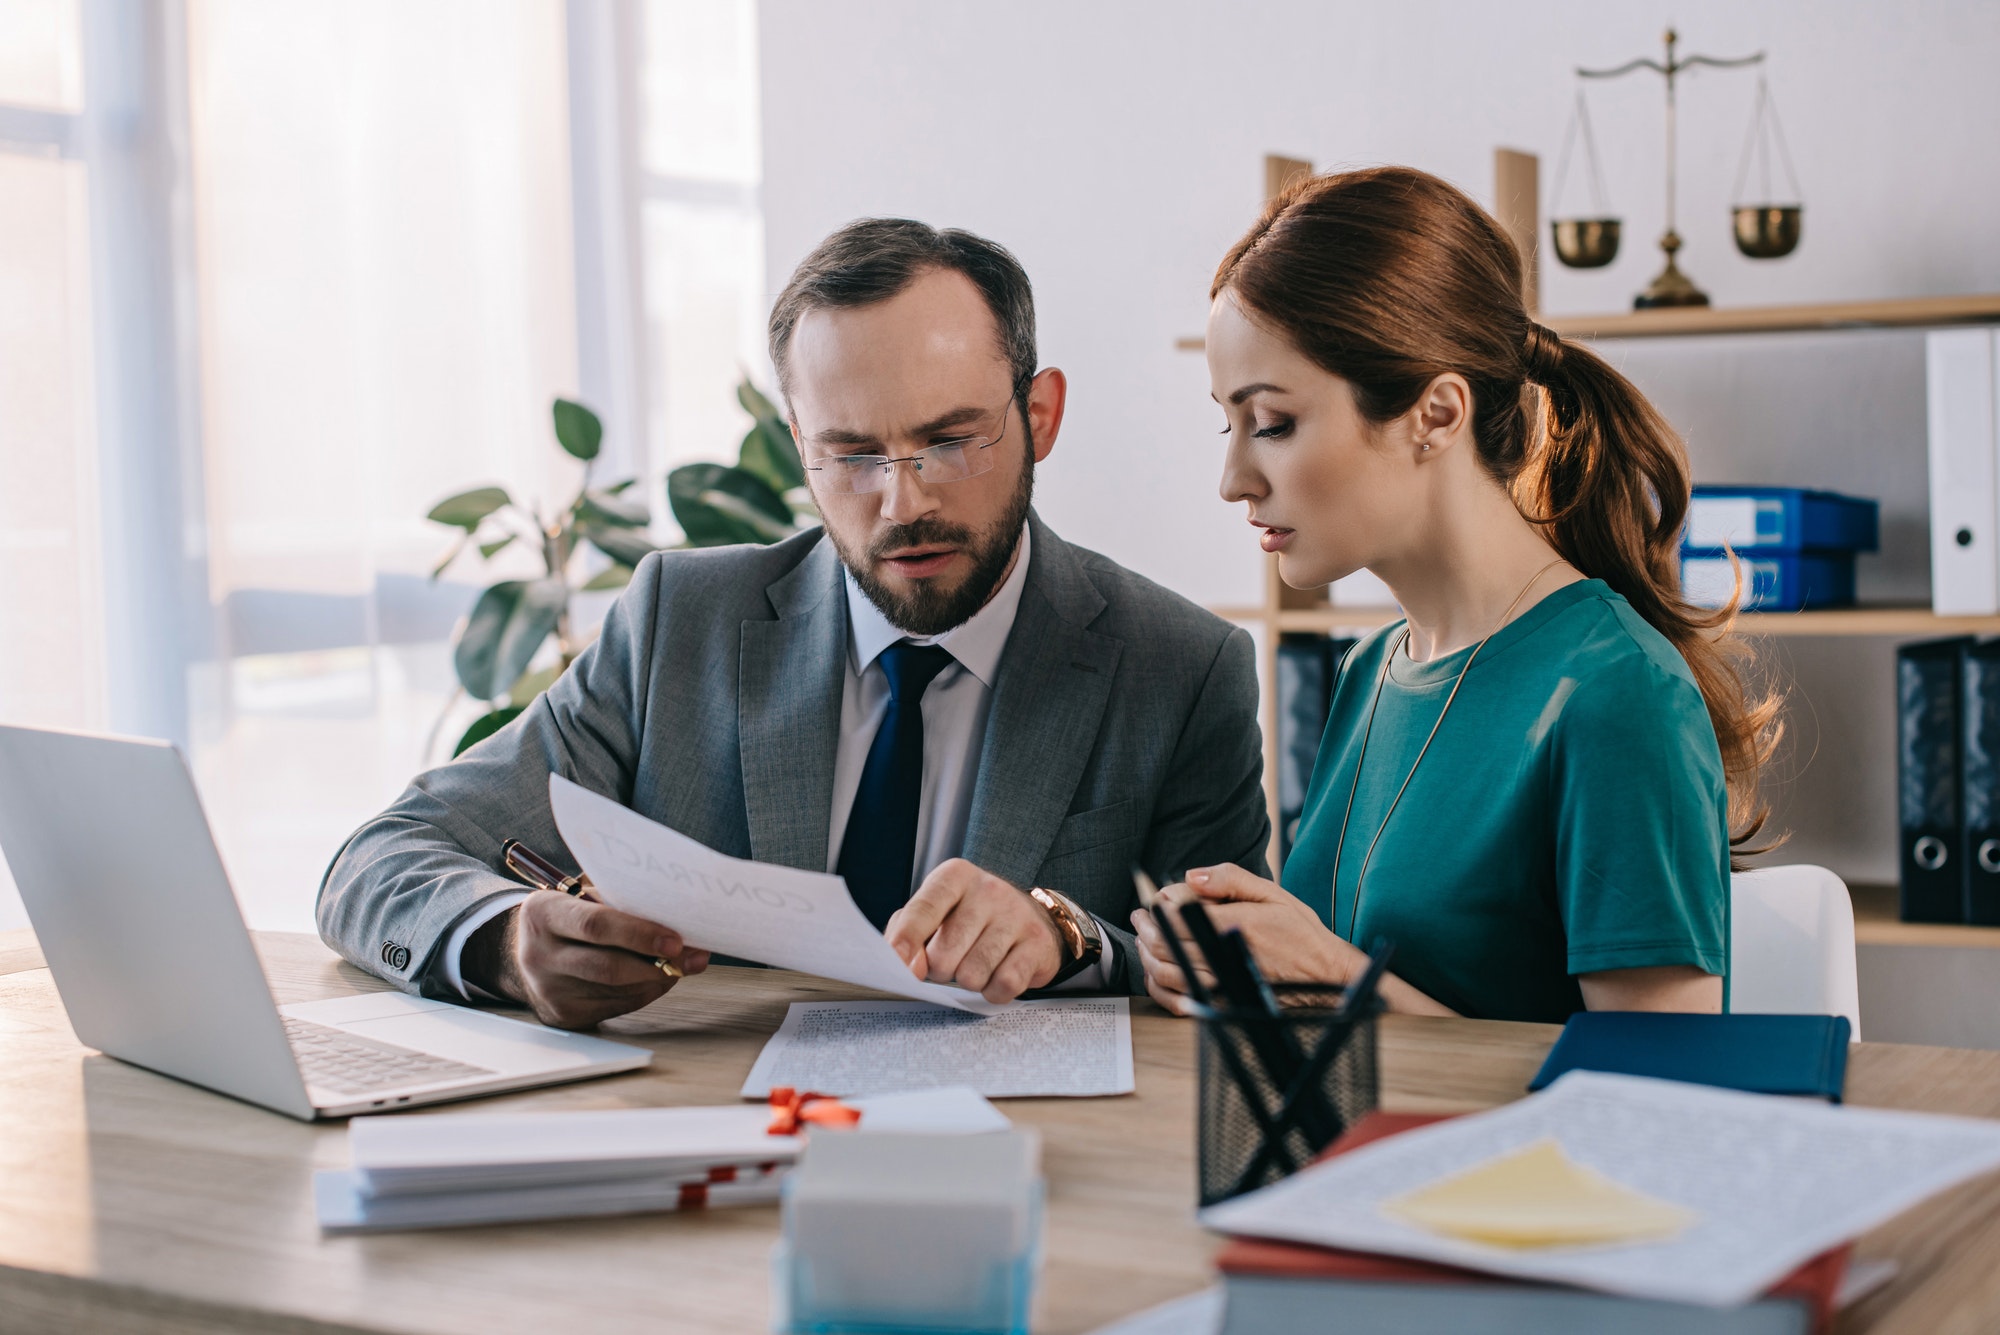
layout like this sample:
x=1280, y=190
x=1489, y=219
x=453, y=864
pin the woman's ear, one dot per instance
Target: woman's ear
x=1442, y=415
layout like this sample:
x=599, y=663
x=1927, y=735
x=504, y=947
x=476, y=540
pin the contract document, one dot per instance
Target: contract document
x=1770, y=1182
x=1034, y=1049
x=781, y=916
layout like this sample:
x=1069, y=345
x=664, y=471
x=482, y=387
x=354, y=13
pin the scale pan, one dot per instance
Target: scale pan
x=1586, y=243
x=1768, y=231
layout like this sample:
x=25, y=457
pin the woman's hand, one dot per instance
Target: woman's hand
x=1289, y=941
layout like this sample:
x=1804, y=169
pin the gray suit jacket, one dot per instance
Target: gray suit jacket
x=1123, y=730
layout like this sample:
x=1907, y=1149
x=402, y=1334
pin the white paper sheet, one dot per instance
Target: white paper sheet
x=780, y=916
x=1776, y=1181
x=1034, y=1049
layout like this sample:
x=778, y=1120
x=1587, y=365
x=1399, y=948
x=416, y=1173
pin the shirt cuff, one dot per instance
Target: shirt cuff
x=1099, y=976
x=453, y=963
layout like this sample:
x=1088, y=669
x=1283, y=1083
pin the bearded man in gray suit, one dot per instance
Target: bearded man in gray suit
x=981, y=727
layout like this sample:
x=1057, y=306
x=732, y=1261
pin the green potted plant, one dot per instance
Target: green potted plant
x=761, y=498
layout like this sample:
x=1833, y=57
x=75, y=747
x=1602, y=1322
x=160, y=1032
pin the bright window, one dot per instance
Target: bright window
x=703, y=228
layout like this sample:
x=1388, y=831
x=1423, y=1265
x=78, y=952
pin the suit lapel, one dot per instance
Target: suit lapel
x=788, y=703
x=1048, y=699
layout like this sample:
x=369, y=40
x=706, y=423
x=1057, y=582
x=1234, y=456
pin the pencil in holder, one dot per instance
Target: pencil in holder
x=1276, y=1090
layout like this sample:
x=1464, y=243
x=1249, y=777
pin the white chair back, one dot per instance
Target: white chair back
x=1791, y=945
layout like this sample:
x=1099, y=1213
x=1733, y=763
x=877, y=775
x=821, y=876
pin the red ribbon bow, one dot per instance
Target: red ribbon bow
x=789, y=1107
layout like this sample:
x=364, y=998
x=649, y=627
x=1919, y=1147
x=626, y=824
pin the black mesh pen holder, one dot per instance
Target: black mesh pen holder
x=1277, y=1090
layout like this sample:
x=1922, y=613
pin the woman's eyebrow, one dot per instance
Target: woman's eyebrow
x=1260, y=387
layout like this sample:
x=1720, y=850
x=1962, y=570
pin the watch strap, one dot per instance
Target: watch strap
x=1081, y=936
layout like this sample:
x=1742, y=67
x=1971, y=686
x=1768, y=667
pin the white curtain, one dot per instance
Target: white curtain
x=382, y=222
x=51, y=592
x=382, y=295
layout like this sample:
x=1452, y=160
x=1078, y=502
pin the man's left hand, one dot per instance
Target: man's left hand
x=974, y=930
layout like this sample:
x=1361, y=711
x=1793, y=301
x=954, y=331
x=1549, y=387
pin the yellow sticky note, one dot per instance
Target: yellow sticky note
x=1537, y=1197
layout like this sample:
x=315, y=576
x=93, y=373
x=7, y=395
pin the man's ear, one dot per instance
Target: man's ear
x=1048, y=393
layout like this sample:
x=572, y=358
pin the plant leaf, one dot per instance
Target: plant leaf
x=577, y=429
x=756, y=404
x=541, y=607
x=609, y=508
x=523, y=692
x=626, y=546
x=744, y=513
x=473, y=657
x=489, y=550
x=716, y=504
x=505, y=629
x=450, y=556
x=485, y=726
x=614, y=576
x=468, y=508
x=769, y=452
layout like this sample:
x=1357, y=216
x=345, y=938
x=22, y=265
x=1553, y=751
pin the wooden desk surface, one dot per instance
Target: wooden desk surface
x=131, y=1202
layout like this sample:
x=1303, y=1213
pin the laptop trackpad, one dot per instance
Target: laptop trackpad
x=461, y=1033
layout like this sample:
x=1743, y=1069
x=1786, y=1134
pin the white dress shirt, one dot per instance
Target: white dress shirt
x=955, y=712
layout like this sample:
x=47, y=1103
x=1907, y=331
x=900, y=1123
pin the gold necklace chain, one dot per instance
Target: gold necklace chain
x=1340, y=847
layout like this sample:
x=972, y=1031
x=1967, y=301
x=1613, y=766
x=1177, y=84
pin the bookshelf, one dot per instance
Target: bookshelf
x=1900, y=313
x=1911, y=622
x=1284, y=610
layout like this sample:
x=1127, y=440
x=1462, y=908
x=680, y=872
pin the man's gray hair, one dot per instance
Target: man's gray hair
x=873, y=259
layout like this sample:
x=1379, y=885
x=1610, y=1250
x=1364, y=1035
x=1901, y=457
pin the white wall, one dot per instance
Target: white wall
x=1117, y=149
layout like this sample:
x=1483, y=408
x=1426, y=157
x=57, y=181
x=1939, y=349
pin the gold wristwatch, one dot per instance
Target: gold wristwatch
x=1082, y=942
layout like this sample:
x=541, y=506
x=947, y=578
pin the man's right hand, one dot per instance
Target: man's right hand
x=575, y=962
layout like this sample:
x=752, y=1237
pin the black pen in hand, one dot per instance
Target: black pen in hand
x=1149, y=898
x=542, y=874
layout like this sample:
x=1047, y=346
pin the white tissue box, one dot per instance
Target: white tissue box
x=889, y=1233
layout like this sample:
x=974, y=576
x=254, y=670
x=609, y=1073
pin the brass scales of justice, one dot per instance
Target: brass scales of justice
x=1763, y=231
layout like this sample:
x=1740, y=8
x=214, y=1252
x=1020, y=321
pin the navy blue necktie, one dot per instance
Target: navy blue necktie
x=879, y=851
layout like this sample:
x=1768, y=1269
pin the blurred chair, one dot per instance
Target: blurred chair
x=1791, y=945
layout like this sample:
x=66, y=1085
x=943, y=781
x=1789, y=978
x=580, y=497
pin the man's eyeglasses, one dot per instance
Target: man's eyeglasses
x=946, y=461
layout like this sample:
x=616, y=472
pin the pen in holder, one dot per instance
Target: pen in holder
x=1262, y=1120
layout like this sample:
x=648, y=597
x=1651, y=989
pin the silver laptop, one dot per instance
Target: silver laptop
x=106, y=840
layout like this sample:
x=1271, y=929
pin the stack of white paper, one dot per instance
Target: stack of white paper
x=479, y=1168
x=1770, y=1182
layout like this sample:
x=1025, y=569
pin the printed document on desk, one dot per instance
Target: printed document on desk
x=1056, y=1048
x=781, y=916
x=1772, y=1182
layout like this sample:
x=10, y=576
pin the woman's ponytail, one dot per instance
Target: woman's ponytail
x=1390, y=277
x=1609, y=482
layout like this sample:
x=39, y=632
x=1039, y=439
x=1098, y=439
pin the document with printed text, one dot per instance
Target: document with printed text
x=1053, y=1048
x=781, y=916
x=1770, y=1183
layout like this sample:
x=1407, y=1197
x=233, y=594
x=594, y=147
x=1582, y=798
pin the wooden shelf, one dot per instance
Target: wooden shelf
x=1902, y=313
x=1876, y=924
x=1914, y=622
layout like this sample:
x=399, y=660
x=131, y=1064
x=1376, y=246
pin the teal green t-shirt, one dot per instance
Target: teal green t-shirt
x=1569, y=817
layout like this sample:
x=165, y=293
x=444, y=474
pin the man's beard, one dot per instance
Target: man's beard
x=926, y=609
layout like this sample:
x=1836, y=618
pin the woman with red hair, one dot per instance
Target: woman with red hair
x=1532, y=782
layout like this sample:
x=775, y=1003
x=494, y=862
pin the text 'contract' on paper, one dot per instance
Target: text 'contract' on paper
x=1076, y=1048
x=781, y=916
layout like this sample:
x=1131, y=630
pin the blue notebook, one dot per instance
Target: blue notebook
x=1762, y=1054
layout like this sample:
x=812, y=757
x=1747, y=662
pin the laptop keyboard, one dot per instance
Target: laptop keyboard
x=349, y=1064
